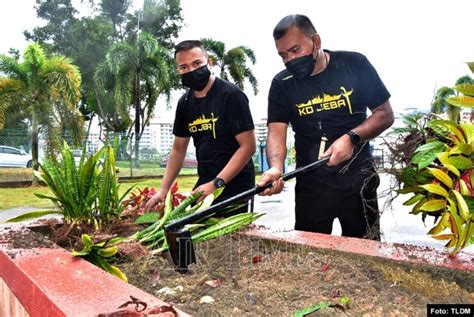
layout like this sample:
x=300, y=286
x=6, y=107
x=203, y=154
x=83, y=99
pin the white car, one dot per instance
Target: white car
x=13, y=157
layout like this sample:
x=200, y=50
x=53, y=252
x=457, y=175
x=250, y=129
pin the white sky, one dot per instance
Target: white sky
x=416, y=46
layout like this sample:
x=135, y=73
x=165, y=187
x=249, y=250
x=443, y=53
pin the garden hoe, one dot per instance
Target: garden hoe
x=179, y=238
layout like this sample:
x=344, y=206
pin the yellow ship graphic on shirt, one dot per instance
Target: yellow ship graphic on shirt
x=202, y=124
x=326, y=103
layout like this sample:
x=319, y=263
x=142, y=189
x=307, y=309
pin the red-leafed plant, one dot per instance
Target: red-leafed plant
x=135, y=204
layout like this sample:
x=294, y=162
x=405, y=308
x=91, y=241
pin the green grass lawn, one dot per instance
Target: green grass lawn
x=24, y=196
x=147, y=169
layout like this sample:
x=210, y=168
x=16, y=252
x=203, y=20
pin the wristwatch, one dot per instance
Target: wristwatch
x=218, y=182
x=355, y=138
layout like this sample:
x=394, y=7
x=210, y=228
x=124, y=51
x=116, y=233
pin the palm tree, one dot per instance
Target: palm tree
x=440, y=105
x=232, y=63
x=48, y=88
x=137, y=73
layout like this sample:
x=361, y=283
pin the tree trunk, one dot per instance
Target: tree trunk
x=136, y=94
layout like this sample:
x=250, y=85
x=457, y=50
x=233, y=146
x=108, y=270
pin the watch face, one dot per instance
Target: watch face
x=355, y=138
x=219, y=182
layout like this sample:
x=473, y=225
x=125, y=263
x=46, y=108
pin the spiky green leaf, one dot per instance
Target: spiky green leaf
x=33, y=215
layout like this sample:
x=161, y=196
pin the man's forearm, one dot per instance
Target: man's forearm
x=236, y=164
x=240, y=158
x=276, y=156
x=276, y=145
x=380, y=119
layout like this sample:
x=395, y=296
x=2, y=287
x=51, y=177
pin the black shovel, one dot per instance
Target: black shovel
x=179, y=238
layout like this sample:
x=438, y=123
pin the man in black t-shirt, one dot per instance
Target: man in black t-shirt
x=216, y=114
x=326, y=94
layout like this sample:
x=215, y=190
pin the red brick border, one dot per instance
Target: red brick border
x=50, y=282
x=390, y=251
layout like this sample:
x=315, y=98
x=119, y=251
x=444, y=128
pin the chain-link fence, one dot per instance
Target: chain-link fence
x=16, y=159
x=153, y=152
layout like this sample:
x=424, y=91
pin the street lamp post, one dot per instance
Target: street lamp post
x=262, y=143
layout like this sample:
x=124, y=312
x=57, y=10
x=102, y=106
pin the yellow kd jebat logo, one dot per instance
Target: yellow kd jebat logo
x=204, y=124
x=327, y=102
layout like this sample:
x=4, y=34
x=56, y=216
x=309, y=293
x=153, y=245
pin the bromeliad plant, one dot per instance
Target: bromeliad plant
x=440, y=179
x=153, y=236
x=88, y=192
x=101, y=254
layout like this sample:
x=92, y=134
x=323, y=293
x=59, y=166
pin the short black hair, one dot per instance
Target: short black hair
x=188, y=45
x=302, y=22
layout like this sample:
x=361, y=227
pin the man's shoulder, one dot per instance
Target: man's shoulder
x=283, y=76
x=183, y=99
x=349, y=56
x=227, y=86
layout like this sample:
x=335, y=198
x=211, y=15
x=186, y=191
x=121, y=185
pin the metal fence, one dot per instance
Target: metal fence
x=151, y=162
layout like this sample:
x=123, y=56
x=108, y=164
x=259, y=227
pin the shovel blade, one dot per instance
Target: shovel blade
x=181, y=248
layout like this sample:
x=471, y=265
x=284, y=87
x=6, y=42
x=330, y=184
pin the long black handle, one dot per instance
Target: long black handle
x=240, y=197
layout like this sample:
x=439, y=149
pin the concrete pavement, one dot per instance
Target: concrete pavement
x=397, y=224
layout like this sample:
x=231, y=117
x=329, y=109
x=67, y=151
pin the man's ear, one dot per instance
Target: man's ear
x=317, y=40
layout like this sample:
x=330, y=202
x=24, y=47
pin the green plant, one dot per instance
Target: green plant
x=101, y=254
x=153, y=236
x=342, y=304
x=435, y=158
x=88, y=192
x=439, y=176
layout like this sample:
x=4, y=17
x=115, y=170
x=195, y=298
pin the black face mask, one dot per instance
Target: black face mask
x=197, y=79
x=303, y=66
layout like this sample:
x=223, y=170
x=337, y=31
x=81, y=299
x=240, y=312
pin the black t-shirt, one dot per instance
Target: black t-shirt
x=329, y=103
x=213, y=122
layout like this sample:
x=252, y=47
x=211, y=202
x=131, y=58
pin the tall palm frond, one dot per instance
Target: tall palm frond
x=10, y=90
x=62, y=75
x=440, y=105
x=232, y=64
x=466, y=79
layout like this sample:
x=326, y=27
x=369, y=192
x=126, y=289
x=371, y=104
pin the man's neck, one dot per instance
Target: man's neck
x=321, y=63
x=203, y=93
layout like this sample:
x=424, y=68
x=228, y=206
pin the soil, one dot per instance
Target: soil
x=242, y=276
x=249, y=277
